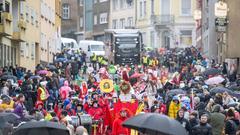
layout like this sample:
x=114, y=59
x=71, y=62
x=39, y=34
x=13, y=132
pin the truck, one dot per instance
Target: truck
x=91, y=46
x=125, y=46
x=68, y=43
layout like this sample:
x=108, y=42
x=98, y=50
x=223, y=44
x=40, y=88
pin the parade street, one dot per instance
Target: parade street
x=119, y=67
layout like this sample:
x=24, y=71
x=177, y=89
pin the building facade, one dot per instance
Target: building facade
x=122, y=14
x=101, y=10
x=48, y=47
x=209, y=34
x=26, y=21
x=70, y=18
x=7, y=50
x=167, y=23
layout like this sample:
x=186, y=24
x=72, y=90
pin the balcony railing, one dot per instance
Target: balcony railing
x=162, y=19
x=5, y=23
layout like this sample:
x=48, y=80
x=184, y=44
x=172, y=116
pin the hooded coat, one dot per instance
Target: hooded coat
x=217, y=120
x=173, y=109
x=118, y=129
x=64, y=91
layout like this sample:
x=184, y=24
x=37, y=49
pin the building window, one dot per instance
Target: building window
x=7, y=6
x=103, y=18
x=186, y=7
x=141, y=9
x=114, y=4
x=33, y=51
x=103, y=0
x=122, y=4
x=144, y=37
x=65, y=11
x=114, y=24
x=27, y=13
x=81, y=22
x=144, y=8
x=95, y=20
x=81, y=2
x=152, y=7
x=186, y=37
x=130, y=21
x=129, y=3
x=122, y=23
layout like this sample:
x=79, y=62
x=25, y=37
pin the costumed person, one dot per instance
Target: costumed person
x=42, y=92
x=96, y=113
x=125, y=75
x=84, y=89
x=67, y=105
x=64, y=91
x=174, y=107
x=118, y=129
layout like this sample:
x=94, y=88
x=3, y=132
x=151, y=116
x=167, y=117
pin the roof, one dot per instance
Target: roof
x=91, y=41
x=67, y=40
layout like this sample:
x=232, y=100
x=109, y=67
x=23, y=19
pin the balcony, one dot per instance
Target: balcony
x=163, y=21
x=22, y=24
x=19, y=36
x=5, y=24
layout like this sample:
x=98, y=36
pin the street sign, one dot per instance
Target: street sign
x=221, y=21
x=221, y=28
x=221, y=9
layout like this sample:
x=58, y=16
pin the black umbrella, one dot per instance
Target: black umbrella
x=41, y=128
x=8, y=117
x=211, y=71
x=6, y=77
x=155, y=124
x=51, y=67
x=216, y=90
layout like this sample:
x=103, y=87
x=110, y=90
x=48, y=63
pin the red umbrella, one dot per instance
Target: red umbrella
x=136, y=75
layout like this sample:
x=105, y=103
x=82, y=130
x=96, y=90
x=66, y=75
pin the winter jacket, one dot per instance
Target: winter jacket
x=217, y=122
x=185, y=123
x=202, y=129
x=19, y=110
x=64, y=91
x=118, y=129
x=193, y=122
x=173, y=109
x=231, y=126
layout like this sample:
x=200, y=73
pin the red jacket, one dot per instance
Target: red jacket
x=96, y=113
x=118, y=129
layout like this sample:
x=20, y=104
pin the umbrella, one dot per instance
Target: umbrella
x=8, y=117
x=6, y=77
x=41, y=128
x=211, y=71
x=42, y=72
x=51, y=67
x=136, y=75
x=35, y=77
x=214, y=80
x=216, y=90
x=61, y=60
x=174, y=92
x=155, y=124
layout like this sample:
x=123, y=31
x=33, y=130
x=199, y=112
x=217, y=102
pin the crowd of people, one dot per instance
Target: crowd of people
x=97, y=97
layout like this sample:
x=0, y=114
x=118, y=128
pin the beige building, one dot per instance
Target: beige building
x=167, y=23
x=26, y=32
x=47, y=36
x=7, y=50
x=122, y=14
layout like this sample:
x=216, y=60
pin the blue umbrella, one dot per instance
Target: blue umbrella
x=61, y=60
x=35, y=77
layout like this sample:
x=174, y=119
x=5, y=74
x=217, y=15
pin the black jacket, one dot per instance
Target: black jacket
x=231, y=126
x=202, y=129
x=193, y=122
x=185, y=123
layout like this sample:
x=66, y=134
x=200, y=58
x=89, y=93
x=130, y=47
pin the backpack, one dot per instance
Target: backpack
x=234, y=126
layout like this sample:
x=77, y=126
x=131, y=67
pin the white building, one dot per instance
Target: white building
x=122, y=14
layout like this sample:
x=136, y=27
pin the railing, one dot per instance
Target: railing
x=162, y=19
